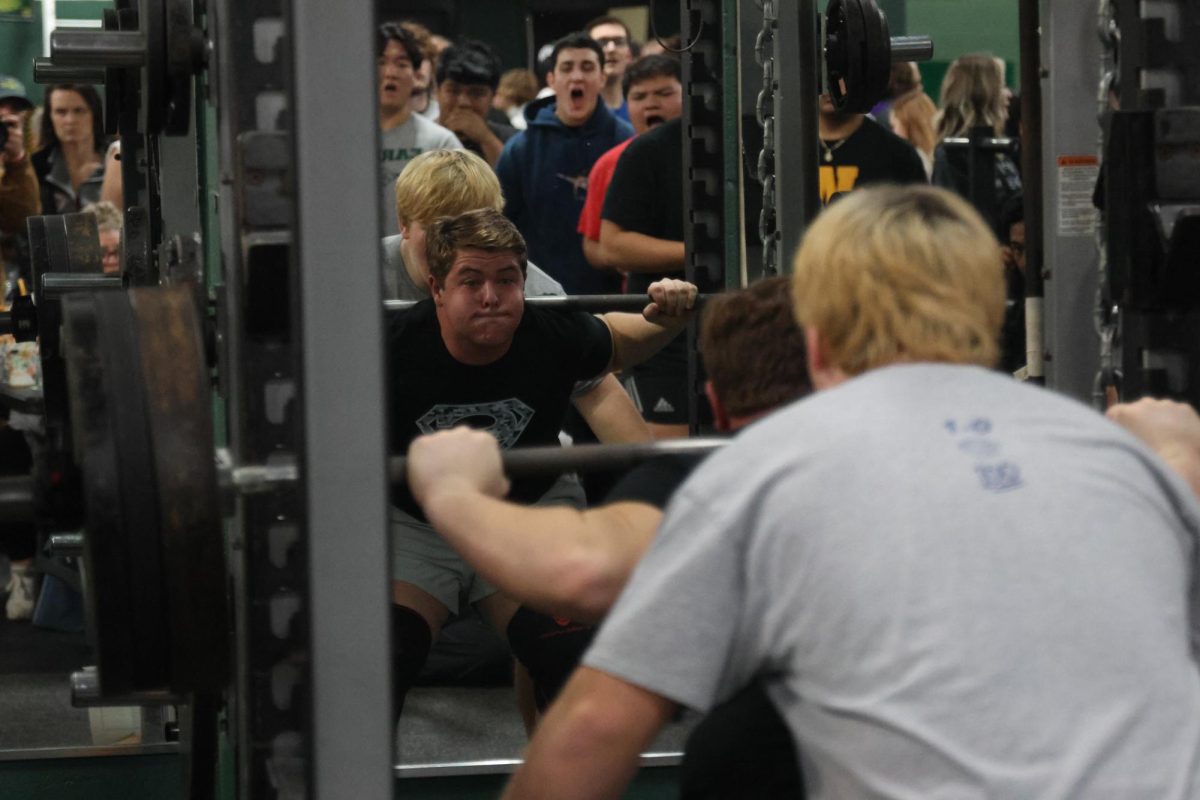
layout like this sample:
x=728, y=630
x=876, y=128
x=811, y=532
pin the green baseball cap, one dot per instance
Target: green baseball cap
x=12, y=89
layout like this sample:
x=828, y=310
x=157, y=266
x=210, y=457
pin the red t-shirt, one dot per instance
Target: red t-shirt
x=597, y=187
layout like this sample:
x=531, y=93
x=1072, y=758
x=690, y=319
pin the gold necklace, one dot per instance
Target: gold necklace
x=829, y=148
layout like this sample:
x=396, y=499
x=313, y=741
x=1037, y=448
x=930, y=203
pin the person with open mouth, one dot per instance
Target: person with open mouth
x=544, y=169
x=404, y=135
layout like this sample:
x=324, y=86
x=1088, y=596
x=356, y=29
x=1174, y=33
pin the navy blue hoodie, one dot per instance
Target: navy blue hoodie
x=543, y=171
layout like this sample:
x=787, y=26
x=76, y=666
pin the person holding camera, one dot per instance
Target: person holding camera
x=18, y=183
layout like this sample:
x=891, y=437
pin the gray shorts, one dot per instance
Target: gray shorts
x=423, y=558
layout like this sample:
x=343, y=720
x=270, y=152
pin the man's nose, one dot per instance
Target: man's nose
x=491, y=296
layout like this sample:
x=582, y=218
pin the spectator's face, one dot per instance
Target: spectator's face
x=476, y=97
x=654, y=101
x=110, y=245
x=576, y=80
x=70, y=116
x=395, y=78
x=12, y=108
x=422, y=81
x=482, y=299
x=1014, y=251
x=617, y=53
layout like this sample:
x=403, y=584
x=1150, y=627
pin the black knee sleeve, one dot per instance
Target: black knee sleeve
x=411, y=640
x=549, y=647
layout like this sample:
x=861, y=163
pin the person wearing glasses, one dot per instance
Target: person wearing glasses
x=613, y=36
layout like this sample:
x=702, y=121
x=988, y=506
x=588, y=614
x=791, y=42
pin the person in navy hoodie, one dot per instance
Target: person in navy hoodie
x=543, y=169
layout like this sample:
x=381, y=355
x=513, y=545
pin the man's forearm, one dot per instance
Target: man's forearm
x=555, y=559
x=610, y=413
x=588, y=745
x=636, y=252
x=492, y=147
x=636, y=338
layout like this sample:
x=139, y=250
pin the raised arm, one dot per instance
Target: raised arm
x=557, y=560
x=636, y=337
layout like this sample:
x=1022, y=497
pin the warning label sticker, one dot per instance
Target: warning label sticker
x=1076, y=183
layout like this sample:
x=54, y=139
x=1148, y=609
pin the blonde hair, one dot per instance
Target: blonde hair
x=916, y=113
x=445, y=183
x=972, y=95
x=108, y=217
x=891, y=274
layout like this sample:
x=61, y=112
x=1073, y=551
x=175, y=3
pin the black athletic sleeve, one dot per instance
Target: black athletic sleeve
x=580, y=343
x=654, y=481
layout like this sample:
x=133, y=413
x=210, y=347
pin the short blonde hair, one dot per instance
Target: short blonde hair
x=892, y=274
x=445, y=183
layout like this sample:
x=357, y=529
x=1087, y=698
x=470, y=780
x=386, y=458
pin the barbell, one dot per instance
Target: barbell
x=859, y=51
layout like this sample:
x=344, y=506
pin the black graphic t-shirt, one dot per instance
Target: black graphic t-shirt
x=520, y=399
x=869, y=155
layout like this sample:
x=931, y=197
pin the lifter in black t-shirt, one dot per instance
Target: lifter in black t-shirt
x=473, y=354
x=856, y=151
x=574, y=564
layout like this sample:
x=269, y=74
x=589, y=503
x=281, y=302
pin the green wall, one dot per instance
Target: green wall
x=965, y=26
x=21, y=41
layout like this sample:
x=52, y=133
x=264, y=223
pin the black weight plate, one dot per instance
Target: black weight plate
x=179, y=405
x=855, y=41
x=179, y=47
x=154, y=80
x=837, y=59
x=877, y=55
x=138, y=488
x=109, y=602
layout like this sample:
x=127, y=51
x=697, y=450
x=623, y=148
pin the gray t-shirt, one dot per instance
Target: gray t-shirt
x=401, y=145
x=951, y=584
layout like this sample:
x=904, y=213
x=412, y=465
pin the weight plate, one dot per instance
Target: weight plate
x=106, y=569
x=877, y=54
x=180, y=47
x=154, y=76
x=179, y=404
x=138, y=486
x=836, y=51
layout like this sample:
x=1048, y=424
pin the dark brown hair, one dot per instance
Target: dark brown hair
x=482, y=229
x=753, y=349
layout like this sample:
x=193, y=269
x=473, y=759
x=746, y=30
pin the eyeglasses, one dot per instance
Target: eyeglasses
x=616, y=41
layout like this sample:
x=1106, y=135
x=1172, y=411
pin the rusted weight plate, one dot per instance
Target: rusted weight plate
x=179, y=417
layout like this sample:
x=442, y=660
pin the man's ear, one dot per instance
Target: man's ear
x=435, y=290
x=823, y=373
x=550, y=79
x=720, y=415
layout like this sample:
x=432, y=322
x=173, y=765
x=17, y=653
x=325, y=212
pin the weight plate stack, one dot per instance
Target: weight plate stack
x=153, y=546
